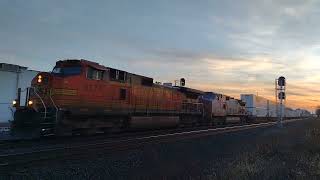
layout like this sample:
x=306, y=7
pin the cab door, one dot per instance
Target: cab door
x=94, y=87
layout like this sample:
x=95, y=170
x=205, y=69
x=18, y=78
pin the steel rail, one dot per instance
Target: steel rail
x=12, y=159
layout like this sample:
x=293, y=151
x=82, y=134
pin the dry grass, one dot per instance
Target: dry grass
x=272, y=160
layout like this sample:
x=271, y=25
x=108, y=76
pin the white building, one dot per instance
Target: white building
x=12, y=77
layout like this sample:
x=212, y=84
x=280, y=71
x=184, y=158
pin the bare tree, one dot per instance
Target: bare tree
x=318, y=111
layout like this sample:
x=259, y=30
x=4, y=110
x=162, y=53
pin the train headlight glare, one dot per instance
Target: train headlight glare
x=14, y=102
x=30, y=103
x=39, y=79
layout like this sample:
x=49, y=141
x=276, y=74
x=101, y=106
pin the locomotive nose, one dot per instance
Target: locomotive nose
x=42, y=79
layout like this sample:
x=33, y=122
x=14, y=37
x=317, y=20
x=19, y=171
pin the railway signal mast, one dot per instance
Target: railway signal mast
x=280, y=93
x=181, y=82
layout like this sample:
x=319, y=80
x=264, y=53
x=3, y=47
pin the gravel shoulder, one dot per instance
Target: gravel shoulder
x=291, y=152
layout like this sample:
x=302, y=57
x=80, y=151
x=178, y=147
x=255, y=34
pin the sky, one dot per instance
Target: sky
x=230, y=47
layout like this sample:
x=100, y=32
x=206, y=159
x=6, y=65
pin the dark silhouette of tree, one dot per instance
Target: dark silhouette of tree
x=318, y=111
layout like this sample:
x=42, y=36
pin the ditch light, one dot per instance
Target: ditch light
x=30, y=103
x=15, y=103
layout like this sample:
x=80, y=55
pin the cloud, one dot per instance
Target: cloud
x=234, y=76
x=224, y=46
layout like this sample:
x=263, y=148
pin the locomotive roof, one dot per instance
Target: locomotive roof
x=96, y=65
x=215, y=93
x=241, y=102
x=189, y=92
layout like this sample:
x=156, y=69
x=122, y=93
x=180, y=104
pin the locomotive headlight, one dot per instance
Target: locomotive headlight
x=16, y=103
x=30, y=103
x=39, y=79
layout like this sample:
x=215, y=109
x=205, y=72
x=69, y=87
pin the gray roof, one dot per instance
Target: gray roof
x=12, y=67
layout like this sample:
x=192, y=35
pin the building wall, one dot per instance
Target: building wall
x=9, y=82
x=8, y=85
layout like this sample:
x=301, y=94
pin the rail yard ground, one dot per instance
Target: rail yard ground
x=292, y=152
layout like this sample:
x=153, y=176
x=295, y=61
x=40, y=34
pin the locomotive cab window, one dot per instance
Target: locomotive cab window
x=113, y=74
x=117, y=75
x=94, y=74
x=123, y=94
x=67, y=71
x=121, y=76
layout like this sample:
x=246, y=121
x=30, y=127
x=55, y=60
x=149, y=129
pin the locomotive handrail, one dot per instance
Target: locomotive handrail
x=199, y=107
x=44, y=105
x=55, y=106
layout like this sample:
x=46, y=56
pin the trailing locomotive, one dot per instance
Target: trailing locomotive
x=222, y=109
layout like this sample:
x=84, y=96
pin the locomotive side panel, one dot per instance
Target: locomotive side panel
x=235, y=111
x=156, y=99
x=214, y=107
x=154, y=122
x=219, y=108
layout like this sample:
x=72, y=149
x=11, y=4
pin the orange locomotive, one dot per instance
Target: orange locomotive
x=83, y=96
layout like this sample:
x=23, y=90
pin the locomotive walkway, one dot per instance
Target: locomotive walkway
x=83, y=149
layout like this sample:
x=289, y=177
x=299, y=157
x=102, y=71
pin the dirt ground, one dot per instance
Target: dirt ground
x=291, y=152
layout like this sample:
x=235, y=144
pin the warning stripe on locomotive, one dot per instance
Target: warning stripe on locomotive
x=67, y=92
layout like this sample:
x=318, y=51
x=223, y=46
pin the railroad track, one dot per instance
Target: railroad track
x=14, y=159
x=47, y=141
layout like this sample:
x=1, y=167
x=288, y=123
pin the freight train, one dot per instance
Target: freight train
x=262, y=108
x=80, y=96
